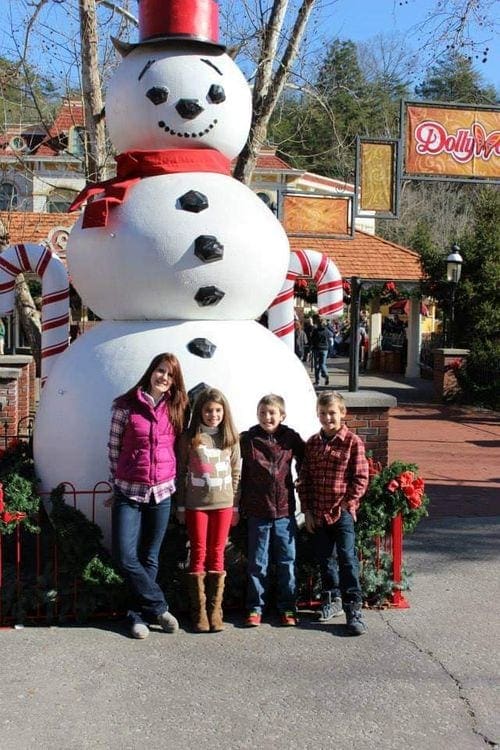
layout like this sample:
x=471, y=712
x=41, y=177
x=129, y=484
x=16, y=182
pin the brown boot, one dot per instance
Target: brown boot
x=198, y=602
x=215, y=592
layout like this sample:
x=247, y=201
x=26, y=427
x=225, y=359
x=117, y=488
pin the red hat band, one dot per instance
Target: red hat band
x=189, y=19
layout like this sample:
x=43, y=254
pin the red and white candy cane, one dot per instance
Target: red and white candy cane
x=330, y=293
x=41, y=260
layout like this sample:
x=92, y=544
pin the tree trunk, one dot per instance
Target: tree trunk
x=95, y=151
x=268, y=84
x=29, y=318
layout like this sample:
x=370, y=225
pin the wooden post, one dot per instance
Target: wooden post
x=397, y=599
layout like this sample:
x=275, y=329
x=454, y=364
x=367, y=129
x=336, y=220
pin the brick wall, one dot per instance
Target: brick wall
x=17, y=393
x=368, y=417
x=372, y=425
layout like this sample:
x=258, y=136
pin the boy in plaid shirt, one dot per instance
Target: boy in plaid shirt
x=332, y=480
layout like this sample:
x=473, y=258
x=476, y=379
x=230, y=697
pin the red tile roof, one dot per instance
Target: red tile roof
x=268, y=160
x=70, y=114
x=367, y=256
x=26, y=226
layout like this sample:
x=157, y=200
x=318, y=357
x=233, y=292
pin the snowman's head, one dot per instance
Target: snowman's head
x=177, y=95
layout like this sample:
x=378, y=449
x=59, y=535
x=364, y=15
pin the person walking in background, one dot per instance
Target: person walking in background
x=308, y=329
x=207, y=502
x=145, y=423
x=332, y=480
x=268, y=450
x=331, y=339
x=319, y=345
x=2, y=337
x=300, y=341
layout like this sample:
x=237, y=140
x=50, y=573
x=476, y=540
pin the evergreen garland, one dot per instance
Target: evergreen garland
x=19, y=501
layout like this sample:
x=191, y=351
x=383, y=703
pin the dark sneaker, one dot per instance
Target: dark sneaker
x=253, y=620
x=354, y=620
x=288, y=619
x=168, y=622
x=330, y=609
x=327, y=381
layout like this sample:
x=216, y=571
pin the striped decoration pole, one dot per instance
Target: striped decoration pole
x=330, y=292
x=39, y=259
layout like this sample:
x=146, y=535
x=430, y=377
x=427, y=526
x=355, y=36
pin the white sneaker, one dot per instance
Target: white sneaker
x=139, y=630
x=168, y=622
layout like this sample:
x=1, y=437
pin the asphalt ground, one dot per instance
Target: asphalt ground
x=423, y=678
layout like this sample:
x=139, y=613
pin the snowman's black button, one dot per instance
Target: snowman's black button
x=208, y=295
x=193, y=201
x=195, y=391
x=208, y=248
x=202, y=348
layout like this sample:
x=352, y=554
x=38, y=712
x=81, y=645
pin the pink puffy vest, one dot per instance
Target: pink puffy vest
x=147, y=454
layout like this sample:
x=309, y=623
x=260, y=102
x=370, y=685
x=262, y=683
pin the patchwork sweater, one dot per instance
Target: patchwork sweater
x=208, y=475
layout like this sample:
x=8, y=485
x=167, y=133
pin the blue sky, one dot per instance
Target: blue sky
x=358, y=20
x=361, y=19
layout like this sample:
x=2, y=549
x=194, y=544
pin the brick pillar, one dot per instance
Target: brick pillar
x=17, y=393
x=446, y=361
x=368, y=417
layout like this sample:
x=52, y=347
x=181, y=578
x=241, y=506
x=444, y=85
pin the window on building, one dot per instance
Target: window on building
x=76, y=141
x=8, y=196
x=59, y=200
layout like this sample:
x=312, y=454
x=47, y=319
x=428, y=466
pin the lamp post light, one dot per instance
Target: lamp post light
x=453, y=270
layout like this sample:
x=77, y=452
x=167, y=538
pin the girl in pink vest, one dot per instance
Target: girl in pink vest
x=207, y=501
x=145, y=423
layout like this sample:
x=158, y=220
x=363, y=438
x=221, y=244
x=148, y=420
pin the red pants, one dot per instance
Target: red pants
x=208, y=531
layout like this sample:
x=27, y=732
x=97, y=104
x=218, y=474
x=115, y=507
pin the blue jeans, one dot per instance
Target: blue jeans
x=320, y=356
x=138, y=532
x=329, y=575
x=340, y=535
x=276, y=535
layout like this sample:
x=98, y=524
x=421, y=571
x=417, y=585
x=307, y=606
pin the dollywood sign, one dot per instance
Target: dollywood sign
x=451, y=142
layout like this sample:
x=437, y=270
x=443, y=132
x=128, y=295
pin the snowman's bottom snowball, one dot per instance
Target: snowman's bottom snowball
x=72, y=423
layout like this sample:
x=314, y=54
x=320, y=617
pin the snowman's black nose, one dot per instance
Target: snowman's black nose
x=188, y=108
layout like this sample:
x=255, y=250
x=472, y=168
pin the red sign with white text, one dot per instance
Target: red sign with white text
x=452, y=141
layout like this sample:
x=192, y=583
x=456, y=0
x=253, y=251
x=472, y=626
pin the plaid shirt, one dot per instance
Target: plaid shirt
x=334, y=475
x=137, y=491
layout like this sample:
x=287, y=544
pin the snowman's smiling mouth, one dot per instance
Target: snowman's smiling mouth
x=180, y=134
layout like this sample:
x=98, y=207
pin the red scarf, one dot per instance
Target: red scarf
x=133, y=166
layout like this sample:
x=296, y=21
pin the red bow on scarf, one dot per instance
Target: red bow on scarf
x=133, y=166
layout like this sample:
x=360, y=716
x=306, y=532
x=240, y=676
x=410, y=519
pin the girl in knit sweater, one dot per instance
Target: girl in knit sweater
x=208, y=481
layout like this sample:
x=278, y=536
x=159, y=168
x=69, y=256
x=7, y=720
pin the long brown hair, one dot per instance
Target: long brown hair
x=177, y=397
x=227, y=427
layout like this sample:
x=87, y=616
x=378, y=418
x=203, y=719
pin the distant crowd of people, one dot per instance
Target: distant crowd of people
x=318, y=339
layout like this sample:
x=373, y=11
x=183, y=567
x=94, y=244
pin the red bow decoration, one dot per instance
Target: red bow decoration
x=132, y=166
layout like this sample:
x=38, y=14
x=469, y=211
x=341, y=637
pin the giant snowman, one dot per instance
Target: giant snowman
x=173, y=254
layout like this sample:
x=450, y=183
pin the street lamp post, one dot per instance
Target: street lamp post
x=453, y=270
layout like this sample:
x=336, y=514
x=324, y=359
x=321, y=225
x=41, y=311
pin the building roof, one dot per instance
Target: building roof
x=366, y=256
x=26, y=226
x=70, y=114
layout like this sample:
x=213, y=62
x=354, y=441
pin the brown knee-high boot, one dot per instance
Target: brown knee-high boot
x=198, y=602
x=215, y=592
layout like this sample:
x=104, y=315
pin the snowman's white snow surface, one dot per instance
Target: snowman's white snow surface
x=140, y=273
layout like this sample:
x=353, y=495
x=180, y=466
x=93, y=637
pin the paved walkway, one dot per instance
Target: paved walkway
x=424, y=678
x=457, y=449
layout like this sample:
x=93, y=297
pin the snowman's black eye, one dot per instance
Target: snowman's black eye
x=157, y=94
x=216, y=94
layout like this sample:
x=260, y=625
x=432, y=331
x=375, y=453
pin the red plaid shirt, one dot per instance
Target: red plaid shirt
x=334, y=474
